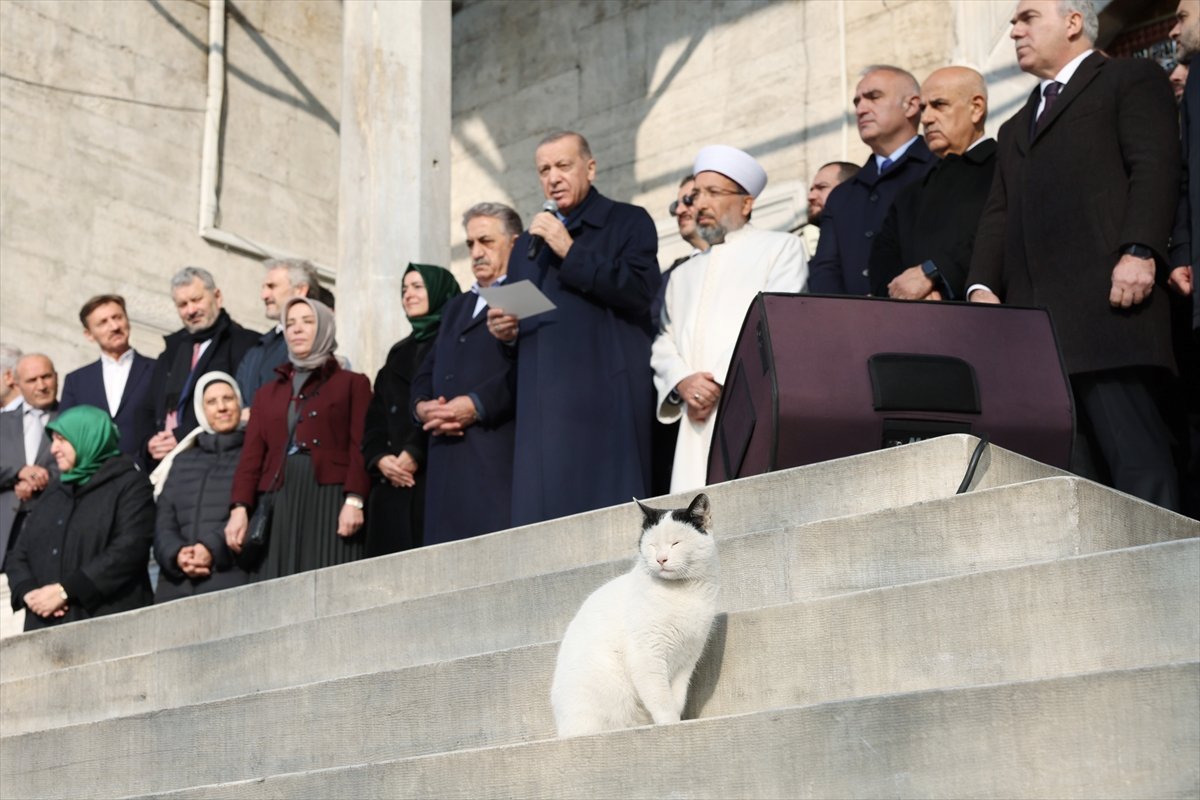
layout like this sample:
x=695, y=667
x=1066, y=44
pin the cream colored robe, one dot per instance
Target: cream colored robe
x=706, y=302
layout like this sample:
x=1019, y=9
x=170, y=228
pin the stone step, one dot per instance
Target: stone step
x=1119, y=734
x=1023, y=523
x=1122, y=609
x=915, y=473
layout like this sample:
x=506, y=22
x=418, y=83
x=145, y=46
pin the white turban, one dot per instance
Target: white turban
x=734, y=164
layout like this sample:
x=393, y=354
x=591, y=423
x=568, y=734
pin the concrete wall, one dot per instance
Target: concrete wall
x=102, y=109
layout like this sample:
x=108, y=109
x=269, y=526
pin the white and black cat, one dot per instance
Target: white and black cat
x=628, y=655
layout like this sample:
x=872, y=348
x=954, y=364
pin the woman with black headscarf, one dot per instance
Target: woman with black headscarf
x=394, y=444
x=303, y=444
x=85, y=545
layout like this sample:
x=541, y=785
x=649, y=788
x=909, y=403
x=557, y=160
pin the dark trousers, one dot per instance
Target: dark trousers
x=1121, y=438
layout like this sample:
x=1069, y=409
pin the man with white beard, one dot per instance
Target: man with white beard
x=707, y=300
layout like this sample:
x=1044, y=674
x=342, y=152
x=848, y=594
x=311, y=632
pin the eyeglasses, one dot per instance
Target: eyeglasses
x=712, y=194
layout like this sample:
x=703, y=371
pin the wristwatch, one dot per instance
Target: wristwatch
x=1138, y=251
x=354, y=501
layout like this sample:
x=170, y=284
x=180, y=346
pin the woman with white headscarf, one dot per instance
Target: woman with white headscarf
x=193, y=484
x=303, y=444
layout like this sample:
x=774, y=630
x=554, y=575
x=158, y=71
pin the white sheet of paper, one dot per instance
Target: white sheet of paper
x=522, y=298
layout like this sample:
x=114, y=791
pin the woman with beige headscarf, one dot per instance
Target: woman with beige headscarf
x=304, y=444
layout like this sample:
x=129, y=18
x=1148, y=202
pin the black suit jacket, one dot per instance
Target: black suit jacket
x=936, y=220
x=1101, y=174
x=85, y=387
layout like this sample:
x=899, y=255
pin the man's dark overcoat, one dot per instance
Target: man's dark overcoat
x=1102, y=173
x=469, y=486
x=230, y=341
x=94, y=539
x=852, y=217
x=584, y=385
x=936, y=219
x=1185, y=241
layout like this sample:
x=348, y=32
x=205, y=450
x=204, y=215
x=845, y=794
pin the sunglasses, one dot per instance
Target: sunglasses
x=688, y=200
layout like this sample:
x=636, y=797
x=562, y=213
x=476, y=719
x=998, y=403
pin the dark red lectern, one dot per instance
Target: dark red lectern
x=816, y=377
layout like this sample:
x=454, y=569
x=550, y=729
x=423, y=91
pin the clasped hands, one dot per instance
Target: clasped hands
x=442, y=417
x=400, y=470
x=31, y=480
x=195, y=560
x=701, y=392
x=47, y=601
x=160, y=444
x=913, y=284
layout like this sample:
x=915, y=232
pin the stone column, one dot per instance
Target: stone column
x=394, y=198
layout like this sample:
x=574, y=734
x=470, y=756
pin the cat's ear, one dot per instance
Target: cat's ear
x=699, y=511
x=650, y=513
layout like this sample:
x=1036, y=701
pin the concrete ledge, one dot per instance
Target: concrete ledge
x=1120, y=735
x=918, y=472
x=1117, y=610
x=1036, y=521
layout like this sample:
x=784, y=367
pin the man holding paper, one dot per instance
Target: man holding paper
x=584, y=387
x=463, y=394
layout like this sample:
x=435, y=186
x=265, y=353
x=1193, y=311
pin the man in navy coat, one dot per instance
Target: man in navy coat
x=584, y=386
x=464, y=395
x=887, y=104
x=116, y=382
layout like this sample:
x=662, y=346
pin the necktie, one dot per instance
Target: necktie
x=885, y=166
x=1050, y=94
x=35, y=430
x=195, y=354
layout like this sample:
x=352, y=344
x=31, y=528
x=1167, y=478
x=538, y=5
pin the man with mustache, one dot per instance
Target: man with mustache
x=924, y=249
x=463, y=394
x=707, y=300
x=119, y=380
x=209, y=341
x=584, y=404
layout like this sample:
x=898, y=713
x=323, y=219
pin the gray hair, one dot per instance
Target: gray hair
x=186, y=275
x=585, y=149
x=1087, y=10
x=510, y=219
x=914, y=87
x=300, y=272
x=9, y=356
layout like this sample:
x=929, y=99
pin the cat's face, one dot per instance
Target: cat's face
x=676, y=544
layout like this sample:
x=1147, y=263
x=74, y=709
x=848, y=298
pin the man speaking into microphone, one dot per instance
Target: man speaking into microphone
x=584, y=386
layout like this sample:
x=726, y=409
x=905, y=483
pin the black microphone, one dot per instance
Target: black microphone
x=536, y=242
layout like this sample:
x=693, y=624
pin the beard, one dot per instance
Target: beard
x=713, y=233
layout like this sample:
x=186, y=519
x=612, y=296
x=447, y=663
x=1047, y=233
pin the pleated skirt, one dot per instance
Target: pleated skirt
x=304, y=525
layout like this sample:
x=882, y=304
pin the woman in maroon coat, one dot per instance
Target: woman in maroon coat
x=304, y=441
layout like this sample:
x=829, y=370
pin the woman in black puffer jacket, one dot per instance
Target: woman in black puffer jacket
x=194, y=482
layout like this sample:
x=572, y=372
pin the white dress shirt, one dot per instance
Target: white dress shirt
x=116, y=375
x=34, y=422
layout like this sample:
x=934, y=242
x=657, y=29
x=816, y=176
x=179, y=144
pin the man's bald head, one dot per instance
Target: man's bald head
x=37, y=381
x=954, y=109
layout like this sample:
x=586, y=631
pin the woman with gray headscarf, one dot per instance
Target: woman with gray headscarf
x=194, y=482
x=303, y=443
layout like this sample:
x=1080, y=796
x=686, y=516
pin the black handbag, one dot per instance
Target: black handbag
x=254, y=546
x=258, y=530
